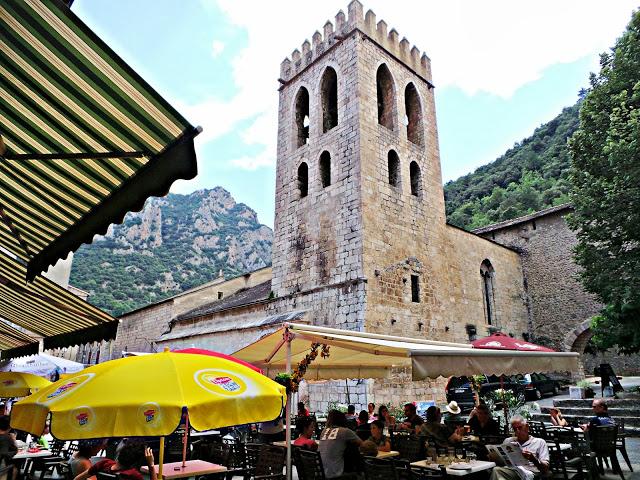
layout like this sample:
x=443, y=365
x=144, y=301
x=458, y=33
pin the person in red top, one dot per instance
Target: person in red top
x=307, y=426
x=302, y=411
x=126, y=465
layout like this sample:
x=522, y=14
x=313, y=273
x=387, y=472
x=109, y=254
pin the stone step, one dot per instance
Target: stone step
x=631, y=423
x=611, y=402
x=588, y=411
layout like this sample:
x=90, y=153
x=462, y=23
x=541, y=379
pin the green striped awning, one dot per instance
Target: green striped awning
x=46, y=309
x=85, y=138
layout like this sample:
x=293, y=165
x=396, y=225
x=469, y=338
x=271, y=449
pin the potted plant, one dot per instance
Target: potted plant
x=580, y=390
x=284, y=379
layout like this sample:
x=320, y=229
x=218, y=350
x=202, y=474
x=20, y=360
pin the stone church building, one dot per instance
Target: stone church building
x=360, y=236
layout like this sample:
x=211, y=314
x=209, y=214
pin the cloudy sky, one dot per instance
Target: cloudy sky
x=501, y=68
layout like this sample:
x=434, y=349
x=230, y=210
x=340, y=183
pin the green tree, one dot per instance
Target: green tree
x=605, y=179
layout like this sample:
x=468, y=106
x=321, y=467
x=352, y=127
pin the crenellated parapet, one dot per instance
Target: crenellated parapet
x=342, y=26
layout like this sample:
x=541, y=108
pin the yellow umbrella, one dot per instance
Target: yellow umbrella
x=20, y=384
x=145, y=395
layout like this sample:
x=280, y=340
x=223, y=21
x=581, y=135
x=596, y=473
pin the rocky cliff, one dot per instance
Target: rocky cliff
x=173, y=244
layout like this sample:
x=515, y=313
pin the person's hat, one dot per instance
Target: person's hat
x=453, y=407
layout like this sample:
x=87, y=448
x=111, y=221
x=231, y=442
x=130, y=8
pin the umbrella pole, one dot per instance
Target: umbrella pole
x=161, y=459
x=184, y=441
x=504, y=405
x=288, y=412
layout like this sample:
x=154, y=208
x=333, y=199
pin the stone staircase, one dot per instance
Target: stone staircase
x=580, y=410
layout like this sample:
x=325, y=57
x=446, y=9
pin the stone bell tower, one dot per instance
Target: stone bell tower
x=358, y=172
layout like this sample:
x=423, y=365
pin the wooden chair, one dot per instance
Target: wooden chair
x=603, y=444
x=308, y=464
x=379, y=469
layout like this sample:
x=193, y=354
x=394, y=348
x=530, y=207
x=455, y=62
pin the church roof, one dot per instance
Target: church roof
x=515, y=221
x=248, y=296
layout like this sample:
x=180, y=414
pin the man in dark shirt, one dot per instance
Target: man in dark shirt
x=601, y=417
x=412, y=420
x=482, y=423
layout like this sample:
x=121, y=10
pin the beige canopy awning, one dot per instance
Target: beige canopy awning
x=369, y=355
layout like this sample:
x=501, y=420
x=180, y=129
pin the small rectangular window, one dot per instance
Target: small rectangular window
x=415, y=288
x=220, y=295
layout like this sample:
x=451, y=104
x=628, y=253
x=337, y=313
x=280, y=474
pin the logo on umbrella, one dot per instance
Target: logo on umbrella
x=8, y=383
x=61, y=389
x=82, y=418
x=149, y=414
x=221, y=382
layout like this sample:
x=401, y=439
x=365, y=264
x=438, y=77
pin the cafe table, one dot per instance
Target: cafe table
x=392, y=453
x=470, y=467
x=192, y=468
x=205, y=433
x=25, y=454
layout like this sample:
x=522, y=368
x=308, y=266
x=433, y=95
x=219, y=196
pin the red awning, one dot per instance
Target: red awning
x=500, y=341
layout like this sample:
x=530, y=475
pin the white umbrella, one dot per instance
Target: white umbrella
x=41, y=364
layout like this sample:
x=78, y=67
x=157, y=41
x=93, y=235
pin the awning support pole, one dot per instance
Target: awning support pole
x=288, y=406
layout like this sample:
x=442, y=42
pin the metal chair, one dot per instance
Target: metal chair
x=621, y=442
x=411, y=448
x=560, y=470
x=379, y=469
x=270, y=463
x=308, y=464
x=538, y=429
x=427, y=473
x=603, y=444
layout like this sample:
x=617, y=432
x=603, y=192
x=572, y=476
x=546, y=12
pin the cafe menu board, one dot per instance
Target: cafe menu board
x=608, y=376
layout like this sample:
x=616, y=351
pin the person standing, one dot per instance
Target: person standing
x=371, y=410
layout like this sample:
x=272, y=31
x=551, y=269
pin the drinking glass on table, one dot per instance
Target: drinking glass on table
x=451, y=455
x=471, y=457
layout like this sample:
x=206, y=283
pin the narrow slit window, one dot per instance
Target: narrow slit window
x=393, y=163
x=303, y=179
x=325, y=169
x=415, y=289
x=329, y=89
x=302, y=117
x=386, y=96
x=413, y=111
x=416, y=179
x=487, y=274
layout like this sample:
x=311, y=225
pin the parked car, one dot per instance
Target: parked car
x=538, y=384
x=459, y=389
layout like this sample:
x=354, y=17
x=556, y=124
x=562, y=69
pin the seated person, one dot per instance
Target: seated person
x=556, y=417
x=81, y=460
x=333, y=442
x=482, y=423
x=453, y=417
x=302, y=411
x=126, y=465
x=412, y=420
x=371, y=410
x=363, y=430
x=533, y=449
x=434, y=428
x=8, y=447
x=307, y=426
x=41, y=440
x=385, y=417
x=351, y=412
x=380, y=440
x=601, y=417
x=369, y=449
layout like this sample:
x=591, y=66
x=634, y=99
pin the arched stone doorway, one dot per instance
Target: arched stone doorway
x=576, y=341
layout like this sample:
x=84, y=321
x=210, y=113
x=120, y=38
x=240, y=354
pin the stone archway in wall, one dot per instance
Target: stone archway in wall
x=576, y=341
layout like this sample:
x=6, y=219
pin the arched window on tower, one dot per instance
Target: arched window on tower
x=416, y=179
x=487, y=273
x=386, y=96
x=329, y=91
x=413, y=110
x=325, y=169
x=303, y=179
x=393, y=163
x=302, y=117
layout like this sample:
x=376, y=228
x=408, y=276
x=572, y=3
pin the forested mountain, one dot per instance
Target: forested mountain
x=529, y=177
x=173, y=244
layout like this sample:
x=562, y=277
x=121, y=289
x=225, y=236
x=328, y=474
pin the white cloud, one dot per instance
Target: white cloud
x=495, y=47
x=217, y=47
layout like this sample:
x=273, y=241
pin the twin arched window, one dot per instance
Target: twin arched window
x=386, y=95
x=324, y=165
x=329, y=104
x=415, y=175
